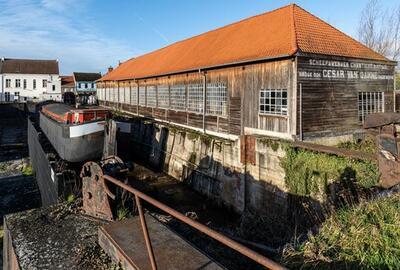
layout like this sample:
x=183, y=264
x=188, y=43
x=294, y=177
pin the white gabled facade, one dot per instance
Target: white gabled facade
x=30, y=87
x=22, y=86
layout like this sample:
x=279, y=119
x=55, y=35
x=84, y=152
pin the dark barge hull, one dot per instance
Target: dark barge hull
x=74, y=143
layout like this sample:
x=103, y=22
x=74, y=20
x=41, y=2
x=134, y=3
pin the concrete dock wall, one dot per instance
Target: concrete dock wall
x=213, y=166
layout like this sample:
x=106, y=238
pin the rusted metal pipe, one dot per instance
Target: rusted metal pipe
x=270, y=264
x=145, y=233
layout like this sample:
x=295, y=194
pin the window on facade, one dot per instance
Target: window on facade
x=115, y=92
x=17, y=83
x=178, y=97
x=134, y=95
x=8, y=83
x=121, y=97
x=273, y=101
x=106, y=94
x=34, y=84
x=102, y=94
x=369, y=102
x=195, y=98
x=86, y=85
x=142, y=95
x=7, y=96
x=53, y=87
x=110, y=97
x=163, y=96
x=24, y=83
x=216, y=99
x=151, y=96
x=79, y=85
x=44, y=83
x=127, y=94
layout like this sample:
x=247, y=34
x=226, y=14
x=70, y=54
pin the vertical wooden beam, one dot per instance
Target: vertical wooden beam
x=204, y=100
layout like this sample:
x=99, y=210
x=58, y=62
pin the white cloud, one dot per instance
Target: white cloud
x=57, y=29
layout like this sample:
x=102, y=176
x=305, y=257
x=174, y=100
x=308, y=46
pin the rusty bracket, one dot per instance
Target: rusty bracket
x=95, y=192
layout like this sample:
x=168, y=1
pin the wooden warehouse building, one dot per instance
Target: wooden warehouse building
x=284, y=73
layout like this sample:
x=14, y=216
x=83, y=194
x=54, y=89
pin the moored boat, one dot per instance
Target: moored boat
x=76, y=134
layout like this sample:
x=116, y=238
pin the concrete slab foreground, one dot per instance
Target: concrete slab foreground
x=124, y=242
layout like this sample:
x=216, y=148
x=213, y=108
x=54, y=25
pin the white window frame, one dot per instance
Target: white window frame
x=134, y=95
x=17, y=83
x=121, y=91
x=216, y=99
x=151, y=96
x=195, y=98
x=163, y=96
x=273, y=102
x=370, y=102
x=8, y=83
x=115, y=91
x=98, y=94
x=177, y=94
x=127, y=94
x=142, y=95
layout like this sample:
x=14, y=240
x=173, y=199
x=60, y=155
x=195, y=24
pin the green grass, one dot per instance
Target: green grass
x=367, y=145
x=3, y=167
x=27, y=171
x=122, y=213
x=309, y=173
x=71, y=198
x=362, y=237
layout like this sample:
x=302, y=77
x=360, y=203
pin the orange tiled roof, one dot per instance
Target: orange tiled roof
x=282, y=32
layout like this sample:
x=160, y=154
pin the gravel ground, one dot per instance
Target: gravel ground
x=18, y=192
x=57, y=237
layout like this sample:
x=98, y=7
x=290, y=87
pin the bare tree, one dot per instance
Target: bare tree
x=379, y=29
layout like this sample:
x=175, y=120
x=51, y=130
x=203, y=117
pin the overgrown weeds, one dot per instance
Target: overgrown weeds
x=366, y=236
x=123, y=213
x=366, y=145
x=310, y=173
x=28, y=171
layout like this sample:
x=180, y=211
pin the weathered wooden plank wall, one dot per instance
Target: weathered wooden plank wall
x=243, y=85
x=330, y=90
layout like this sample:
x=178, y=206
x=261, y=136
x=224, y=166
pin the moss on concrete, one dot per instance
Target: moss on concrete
x=310, y=173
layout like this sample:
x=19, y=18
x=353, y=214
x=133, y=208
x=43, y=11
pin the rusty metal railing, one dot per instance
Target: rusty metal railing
x=264, y=261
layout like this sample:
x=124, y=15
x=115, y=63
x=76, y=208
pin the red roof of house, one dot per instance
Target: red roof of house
x=67, y=81
x=279, y=33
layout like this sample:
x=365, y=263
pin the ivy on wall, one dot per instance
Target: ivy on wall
x=310, y=173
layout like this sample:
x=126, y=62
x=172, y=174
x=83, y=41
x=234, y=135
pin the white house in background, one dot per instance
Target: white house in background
x=85, y=85
x=26, y=79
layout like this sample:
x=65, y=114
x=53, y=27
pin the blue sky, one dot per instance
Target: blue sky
x=89, y=35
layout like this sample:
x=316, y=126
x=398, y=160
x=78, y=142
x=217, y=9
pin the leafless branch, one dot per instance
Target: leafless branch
x=379, y=29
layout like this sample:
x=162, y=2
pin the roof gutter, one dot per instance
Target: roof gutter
x=284, y=56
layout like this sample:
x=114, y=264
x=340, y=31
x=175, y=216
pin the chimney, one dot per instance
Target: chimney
x=110, y=68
